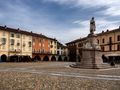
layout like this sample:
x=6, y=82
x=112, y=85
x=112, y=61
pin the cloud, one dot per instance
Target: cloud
x=112, y=6
x=111, y=11
x=20, y=15
x=101, y=24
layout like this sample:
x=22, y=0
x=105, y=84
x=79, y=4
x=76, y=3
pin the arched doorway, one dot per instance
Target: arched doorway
x=3, y=58
x=26, y=58
x=46, y=58
x=53, y=58
x=65, y=59
x=37, y=58
x=20, y=58
x=59, y=58
x=14, y=58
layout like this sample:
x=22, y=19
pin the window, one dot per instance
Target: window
x=12, y=41
x=103, y=49
x=58, y=52
x=80, y=45
x=12, y=34
x=3, y=33
x=98, y=41
x=118, y=47
x=30, y=44
x=43, y=45
x=12, y=47
x=110, y=40
x=55, y=46
x=118, y=38
x=17, y=35
x=23, y=48
x=23, y=36
x=39, y=44
x=3, y=47
x=24, y=44
x=110, y=47
x=103, y=40
x=18, y=44
x=51, y=42
x=3, y=40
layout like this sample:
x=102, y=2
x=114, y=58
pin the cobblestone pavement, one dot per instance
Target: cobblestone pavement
x=56, y=76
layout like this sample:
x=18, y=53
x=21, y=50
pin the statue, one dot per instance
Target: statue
x=92, y=26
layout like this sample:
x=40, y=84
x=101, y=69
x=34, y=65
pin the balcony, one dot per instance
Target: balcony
x=40, y=52
x=14, y=51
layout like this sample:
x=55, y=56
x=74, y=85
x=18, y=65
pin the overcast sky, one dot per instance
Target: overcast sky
x=64, y=20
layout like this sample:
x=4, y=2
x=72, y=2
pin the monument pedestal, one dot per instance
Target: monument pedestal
x=91, y=59
x=91, y=56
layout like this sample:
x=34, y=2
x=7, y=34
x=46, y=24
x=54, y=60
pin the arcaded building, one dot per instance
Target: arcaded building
x=41, y=47
x=20, y=45
x=15, y=42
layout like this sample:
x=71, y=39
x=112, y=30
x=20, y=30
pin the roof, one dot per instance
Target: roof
x=21, y=31
x=108, y=31
x=77, y=40
x=54, y=39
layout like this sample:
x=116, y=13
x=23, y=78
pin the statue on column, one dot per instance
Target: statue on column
x=92, y=26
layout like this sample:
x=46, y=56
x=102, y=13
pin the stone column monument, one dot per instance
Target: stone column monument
x=91, y=51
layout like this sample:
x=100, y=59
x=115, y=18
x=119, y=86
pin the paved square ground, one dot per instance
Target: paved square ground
x=56, y=76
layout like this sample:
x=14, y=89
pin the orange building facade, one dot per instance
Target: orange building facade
x=41, y=48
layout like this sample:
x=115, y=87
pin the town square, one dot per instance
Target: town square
x=59, y=45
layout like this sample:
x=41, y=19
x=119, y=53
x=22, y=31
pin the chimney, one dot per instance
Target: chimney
x=107, y=30
x=102, y=31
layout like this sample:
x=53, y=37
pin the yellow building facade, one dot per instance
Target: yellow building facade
x=15, y=42
x=53, y=46
x=4, y=43
x=109, y=41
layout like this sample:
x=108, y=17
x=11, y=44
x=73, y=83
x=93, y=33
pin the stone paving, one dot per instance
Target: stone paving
x=56, y=76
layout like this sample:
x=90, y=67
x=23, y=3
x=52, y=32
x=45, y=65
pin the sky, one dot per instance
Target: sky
x=65, y=20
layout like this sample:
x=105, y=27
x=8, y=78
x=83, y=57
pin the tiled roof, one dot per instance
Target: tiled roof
x=77, y=40
x=107, y=32
x=21, y=31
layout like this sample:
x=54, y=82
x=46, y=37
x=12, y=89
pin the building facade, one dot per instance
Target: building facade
x=41, y=47
x=19, y=45
x=4, y=46
x=109, y=42
x=15, y=42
